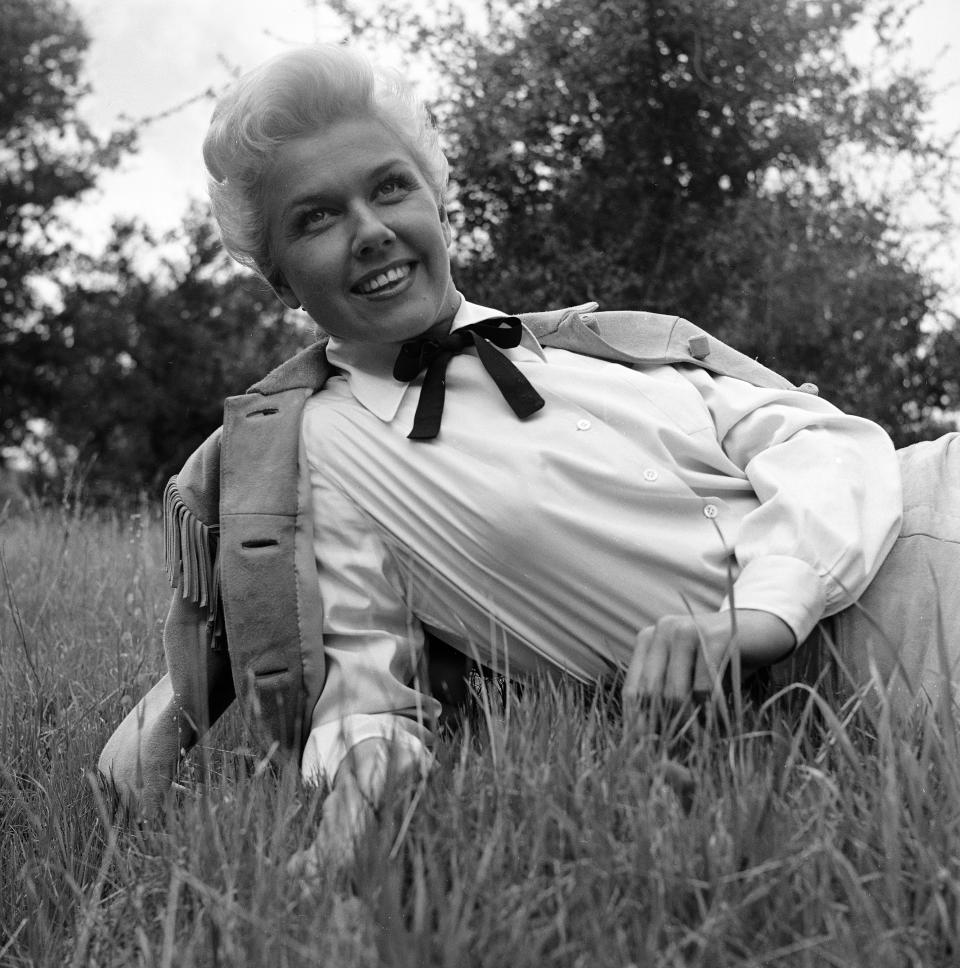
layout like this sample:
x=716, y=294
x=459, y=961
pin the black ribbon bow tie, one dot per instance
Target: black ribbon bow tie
x=432, y=354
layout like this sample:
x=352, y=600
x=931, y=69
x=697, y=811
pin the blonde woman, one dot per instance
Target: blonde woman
x=575, y=491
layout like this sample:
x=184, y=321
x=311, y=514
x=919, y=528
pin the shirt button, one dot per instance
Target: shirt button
x=583, y=425
x=650, y=474
x=710, y=511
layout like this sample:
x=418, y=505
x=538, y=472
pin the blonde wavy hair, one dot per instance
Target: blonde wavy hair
x=297, y=94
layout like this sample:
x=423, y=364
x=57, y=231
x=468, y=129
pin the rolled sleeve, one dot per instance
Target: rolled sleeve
x=786, y=587
x=829, y=492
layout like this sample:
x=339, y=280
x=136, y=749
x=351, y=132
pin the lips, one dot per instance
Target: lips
x=384, y=280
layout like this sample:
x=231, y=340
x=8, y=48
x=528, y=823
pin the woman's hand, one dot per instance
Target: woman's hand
x=351, y=805
x=686, y=654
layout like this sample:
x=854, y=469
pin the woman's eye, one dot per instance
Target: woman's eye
x=314, y=218
x=393, y=185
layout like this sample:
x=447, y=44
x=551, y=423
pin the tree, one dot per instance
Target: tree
x=47, y=155
x=139, y=365
x=681, y=156
x=124, y=370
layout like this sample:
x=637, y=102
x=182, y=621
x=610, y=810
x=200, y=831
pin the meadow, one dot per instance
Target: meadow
x=553, y=832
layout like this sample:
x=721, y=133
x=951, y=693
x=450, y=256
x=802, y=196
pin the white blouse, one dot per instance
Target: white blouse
x=550, y=542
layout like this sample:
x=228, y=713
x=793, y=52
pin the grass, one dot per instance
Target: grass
x=552, y=833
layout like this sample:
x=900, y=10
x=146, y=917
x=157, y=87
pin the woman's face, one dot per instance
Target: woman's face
x=356, y=235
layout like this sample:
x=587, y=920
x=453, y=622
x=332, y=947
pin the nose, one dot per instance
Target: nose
x=371, y=233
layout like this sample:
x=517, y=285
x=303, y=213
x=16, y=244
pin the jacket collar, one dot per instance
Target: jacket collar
x=309, y=369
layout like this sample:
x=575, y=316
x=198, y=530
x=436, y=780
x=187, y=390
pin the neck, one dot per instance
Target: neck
x=448, y=312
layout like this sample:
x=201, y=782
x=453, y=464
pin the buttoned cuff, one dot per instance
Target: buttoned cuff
x=328, y=745
x=783, y=586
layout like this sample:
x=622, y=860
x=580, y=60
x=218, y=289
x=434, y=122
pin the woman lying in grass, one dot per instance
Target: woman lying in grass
x=596, y=492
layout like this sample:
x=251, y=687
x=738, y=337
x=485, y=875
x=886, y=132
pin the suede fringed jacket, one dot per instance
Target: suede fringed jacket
x=246, y=619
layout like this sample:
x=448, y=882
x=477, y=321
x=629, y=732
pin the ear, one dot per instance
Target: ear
x=282, y=290
x=445, y=225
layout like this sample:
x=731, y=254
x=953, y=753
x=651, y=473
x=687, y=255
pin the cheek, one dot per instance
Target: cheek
x=313, y=267
x=439, y=244
x=429, y=231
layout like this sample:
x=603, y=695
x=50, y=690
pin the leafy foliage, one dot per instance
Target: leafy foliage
x=139, y=366
x=680, y=156
x=123, y=370
x=47, y=155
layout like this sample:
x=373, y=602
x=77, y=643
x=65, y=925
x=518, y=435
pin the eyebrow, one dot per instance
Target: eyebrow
x=309, y=198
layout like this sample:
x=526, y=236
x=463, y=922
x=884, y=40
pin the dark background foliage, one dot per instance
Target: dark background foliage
x=47, y=155
x=681, y=157
x=690, y=157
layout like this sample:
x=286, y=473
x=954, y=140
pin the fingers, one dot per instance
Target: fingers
x=307, y=864
x=346, y=816
x=678, y=657
x=684, y=647
x=325, y=856
x=647, y=666
x=709, y=668
x=663, y=661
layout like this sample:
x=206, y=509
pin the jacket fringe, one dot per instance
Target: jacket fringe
x=192, y=559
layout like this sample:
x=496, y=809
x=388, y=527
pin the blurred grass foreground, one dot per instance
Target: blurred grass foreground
x=550, y=834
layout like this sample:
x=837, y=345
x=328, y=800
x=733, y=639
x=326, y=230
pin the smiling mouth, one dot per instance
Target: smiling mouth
x=384, y=281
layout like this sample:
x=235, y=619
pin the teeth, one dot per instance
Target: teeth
x=384, y=279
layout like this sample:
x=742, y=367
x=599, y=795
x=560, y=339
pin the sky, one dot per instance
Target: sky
x=147, y=57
